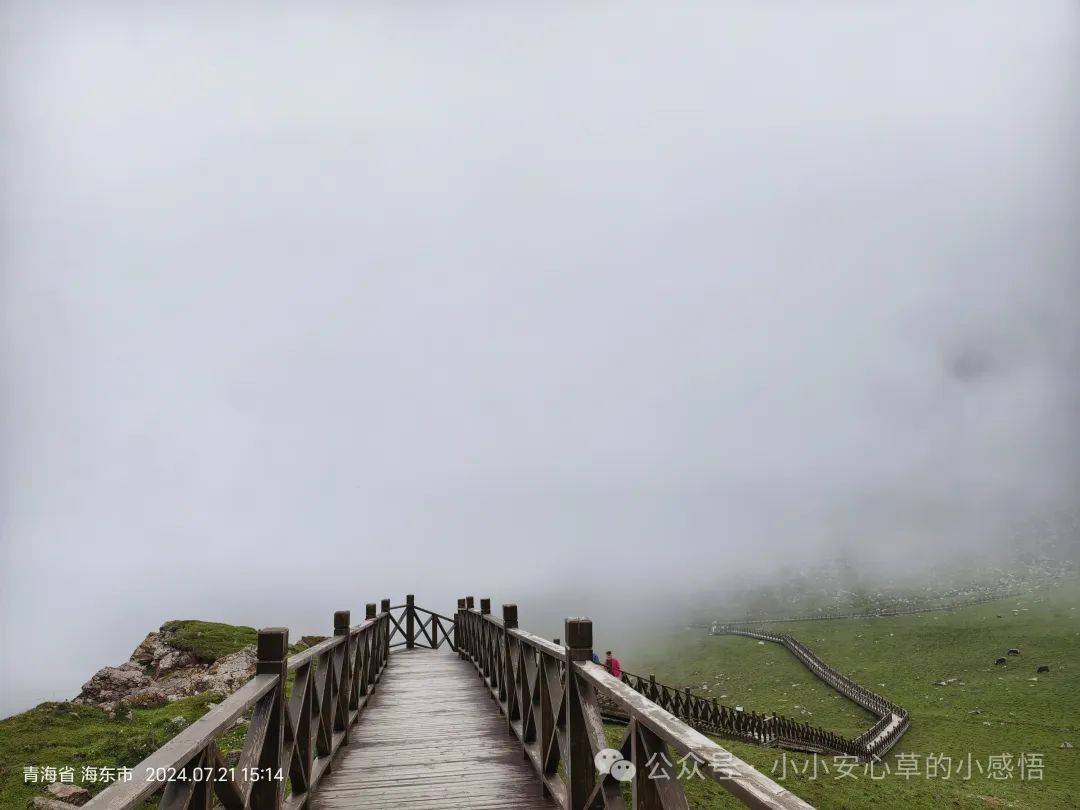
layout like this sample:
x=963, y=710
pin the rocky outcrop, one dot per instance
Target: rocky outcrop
x=159, y=673
x=154, y=653
x=71, y=794
x=228, y=674
x=41, y=803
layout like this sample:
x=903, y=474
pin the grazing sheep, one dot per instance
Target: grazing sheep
x=1014, y=651
x=1000, y=662
x=1042, y=668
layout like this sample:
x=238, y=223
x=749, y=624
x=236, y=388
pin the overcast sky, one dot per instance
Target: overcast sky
x=307, y=305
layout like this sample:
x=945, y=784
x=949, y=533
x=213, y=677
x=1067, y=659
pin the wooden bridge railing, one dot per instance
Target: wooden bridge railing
x=294, y=730
x=415, y=625
x=550, y=696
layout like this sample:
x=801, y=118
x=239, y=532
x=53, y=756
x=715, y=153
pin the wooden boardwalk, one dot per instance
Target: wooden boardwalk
x=431, y=737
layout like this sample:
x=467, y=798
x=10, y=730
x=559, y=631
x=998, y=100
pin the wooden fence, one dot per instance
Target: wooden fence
x=712, y=717
x=892, y=719
x=551, y=698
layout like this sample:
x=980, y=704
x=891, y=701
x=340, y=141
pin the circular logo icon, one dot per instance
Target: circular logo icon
x=623, y=770
x=605, y=758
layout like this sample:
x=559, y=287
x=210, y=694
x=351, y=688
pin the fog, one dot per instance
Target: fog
x=582, y=305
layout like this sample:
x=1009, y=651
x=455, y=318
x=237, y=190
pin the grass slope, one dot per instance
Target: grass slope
x=988, y=710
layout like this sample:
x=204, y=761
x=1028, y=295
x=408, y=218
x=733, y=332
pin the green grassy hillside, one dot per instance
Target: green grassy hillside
x=987, y=710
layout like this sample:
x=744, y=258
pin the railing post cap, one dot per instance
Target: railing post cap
x=461, y=603
x=384, y=606
x=485, y=605
x=341, y=619
x=410, y=598
x=370, y=608
x=578, y=632
x=470, y=602
x=510, y=615
x=273, y=644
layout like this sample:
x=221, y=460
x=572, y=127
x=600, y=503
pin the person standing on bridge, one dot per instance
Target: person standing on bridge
x=613, y=665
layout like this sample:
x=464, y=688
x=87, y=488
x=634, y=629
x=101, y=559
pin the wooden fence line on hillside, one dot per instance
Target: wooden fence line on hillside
x=710, y=716
x=892, y=719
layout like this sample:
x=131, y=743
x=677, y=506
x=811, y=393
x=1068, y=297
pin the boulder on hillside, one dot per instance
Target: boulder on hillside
x=41, y=803
x=154, y=653
x=228, y=674
x=72, y=794
x=110, y=685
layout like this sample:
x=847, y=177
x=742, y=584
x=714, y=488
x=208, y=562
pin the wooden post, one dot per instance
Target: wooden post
x=510, y=617
x=509, y=685
x=470, y=602
x=342, y=620
x=370, y=610
x=485, y=606
x=459, y=631
x=580, y=769
x=384, y=606
x=410, y=621
x=272, y=650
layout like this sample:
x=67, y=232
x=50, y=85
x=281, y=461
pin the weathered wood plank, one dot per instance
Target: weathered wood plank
x=430, y=738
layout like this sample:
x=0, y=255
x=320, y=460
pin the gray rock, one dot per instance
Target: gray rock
x=228, y=674
x=163, y=658
x=41, y=803
x=72, y=794
x=112, y=684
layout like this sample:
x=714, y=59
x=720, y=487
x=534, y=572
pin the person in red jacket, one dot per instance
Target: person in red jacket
x=613, y=665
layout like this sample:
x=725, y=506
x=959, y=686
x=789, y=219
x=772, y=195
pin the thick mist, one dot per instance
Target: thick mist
x=586, y=306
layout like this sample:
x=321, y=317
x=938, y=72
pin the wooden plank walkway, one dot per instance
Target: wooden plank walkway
x=430, y=737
